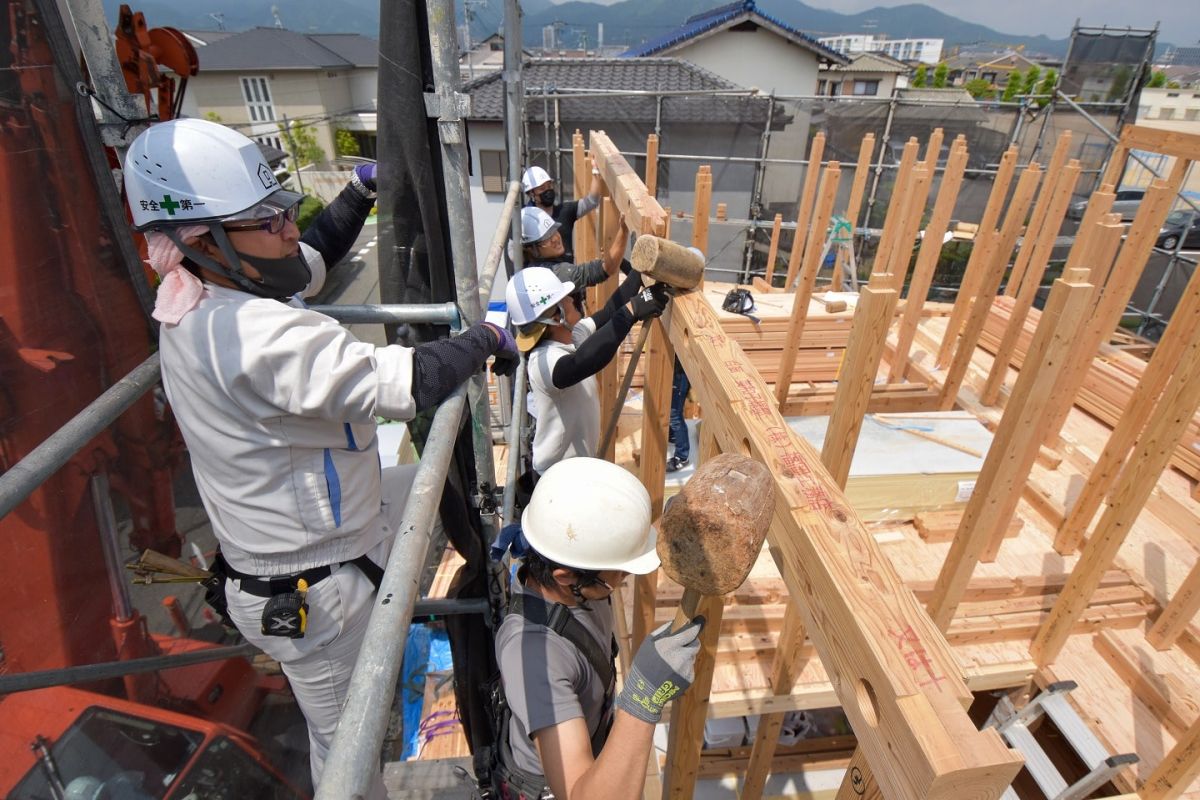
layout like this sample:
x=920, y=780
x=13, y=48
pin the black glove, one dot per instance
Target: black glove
x=650, y=302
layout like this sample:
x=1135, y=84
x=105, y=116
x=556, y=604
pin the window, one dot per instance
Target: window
x=1166, y=113
x=866, y=87
x=491, y=170
x=258, y=99
x=273, y=141
x=1192, y=114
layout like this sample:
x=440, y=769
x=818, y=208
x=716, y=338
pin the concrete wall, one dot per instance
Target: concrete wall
x=485, y=206
x=759, y=58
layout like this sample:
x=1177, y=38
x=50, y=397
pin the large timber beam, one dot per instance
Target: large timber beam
x=641, y=211
x=893, y=671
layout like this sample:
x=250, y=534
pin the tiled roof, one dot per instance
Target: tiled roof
x=871, y=62
x=727, y=16
x=618, y=75
x=279, y=49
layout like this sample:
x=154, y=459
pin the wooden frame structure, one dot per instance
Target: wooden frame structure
x=890, y=663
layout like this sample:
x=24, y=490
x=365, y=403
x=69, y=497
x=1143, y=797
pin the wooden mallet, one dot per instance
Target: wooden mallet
x=713, y=531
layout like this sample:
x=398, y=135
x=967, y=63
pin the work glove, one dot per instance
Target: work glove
x=366, y=175
x=650, y=302
x=506, y=353
x=662, y=670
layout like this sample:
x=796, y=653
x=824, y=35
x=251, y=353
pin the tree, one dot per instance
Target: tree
x=1047, y=88
x=940, y=74
x=921, y=77
x=1011, y=89
x=1172, y=84
x=1157, y=80
x=345, y=142
x=980, y=89
x=1120, y=83
x=1031, y=79
x=213, y=116
x=301, y=143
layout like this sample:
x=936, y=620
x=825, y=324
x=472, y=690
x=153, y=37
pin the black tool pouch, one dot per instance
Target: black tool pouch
x=214, y=590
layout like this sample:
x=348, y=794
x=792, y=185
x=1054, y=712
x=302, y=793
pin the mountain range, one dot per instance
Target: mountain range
x=626, y=22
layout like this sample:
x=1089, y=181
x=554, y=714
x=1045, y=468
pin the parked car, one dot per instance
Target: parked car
x=1126, y=203
x=1183, y=223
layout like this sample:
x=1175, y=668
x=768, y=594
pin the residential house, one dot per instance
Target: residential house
x=925, y=51
x=747, y=47
x=1167, y=109
x=256, y=79
x=867, y=75
x=691, y=126
x=995, y=67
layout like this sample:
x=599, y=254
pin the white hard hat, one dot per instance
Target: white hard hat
x=533, y=178
x=532, y=292
x=587, y=513
x=185, y=171
x=536, y=225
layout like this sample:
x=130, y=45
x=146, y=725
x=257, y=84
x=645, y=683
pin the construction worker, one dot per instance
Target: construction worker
x=544, y=246
x=585, y=529
x=277, y=405
x=539, y=188
x=566, y=350
x=677, y=430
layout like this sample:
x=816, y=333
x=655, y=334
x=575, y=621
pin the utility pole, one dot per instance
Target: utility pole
x=291, y=143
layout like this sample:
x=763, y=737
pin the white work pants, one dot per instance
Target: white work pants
x=318, y=666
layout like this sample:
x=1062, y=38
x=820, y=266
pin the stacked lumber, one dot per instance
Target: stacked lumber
x=1110, y=382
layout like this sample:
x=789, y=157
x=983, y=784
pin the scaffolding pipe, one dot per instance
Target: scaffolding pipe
x=515, y=436
x=43, y=461
x=495, y=253
x=353, y=759
x=452, y=107
x=110, y=542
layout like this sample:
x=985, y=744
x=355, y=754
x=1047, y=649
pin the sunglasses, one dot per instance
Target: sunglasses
x=272, y=224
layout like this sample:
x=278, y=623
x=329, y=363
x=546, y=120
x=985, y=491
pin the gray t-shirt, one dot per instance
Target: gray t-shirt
x=547, y=681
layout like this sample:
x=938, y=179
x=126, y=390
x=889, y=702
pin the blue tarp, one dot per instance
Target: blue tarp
x=427, y=650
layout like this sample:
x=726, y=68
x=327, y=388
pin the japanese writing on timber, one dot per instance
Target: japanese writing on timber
x=750, y=390
x=913, y=651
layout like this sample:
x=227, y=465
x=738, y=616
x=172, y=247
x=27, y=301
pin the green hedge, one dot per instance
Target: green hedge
x=309, y=208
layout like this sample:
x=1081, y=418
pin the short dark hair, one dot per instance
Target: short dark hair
x=540, y=570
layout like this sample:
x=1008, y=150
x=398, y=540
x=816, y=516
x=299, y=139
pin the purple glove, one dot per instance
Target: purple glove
x=366, y=175
x=506, y=352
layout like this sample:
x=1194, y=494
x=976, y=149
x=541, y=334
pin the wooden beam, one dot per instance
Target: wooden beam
x=805, y=206
x=853, y=207
x=1178, y=614
x=1058, y=199
x=1115, y=171
x=685, y=734
x=1175, y=773
x=1167, y=357
x=789, y=662
x=1168, y=421
x=975, y=267
x=1171, y=703
x=1038, y=220
x=652, y=469
x=722, y=213
x=856, y=378
x=997, y=249
x=917, y=195
x=773, y=251
x=787, y=359
x=607, y=379
x=893, y=221
x=641, y=211
x=702, y=208
x=927, y=259
x=933, y=149
x=652, y=165
x=894, y=674
x=1157, y=140
x=1013, y=449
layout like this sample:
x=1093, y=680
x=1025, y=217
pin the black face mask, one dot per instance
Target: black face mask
x=546, y=197
x=281, y=277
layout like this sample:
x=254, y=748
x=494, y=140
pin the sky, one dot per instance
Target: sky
x=1179, y=20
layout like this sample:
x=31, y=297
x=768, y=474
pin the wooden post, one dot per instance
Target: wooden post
x=805, y=206
x=722, y=212
x=608, y=378
x=787, y=360
x=1098, y=206
x=1040, y=217
x=1178, y=614
x=1052, y=215
x=652, y=164
x=920, y=178
x=1116, y=166
x=652, y=468
x=856, y=378
x=927, y=259
x=997, y=250
x=700, y=212
x=784, y=672
x=1168, y=421
x=1014, y=448
x=773, y=252
x=861, y=171
x=933, y=149
x=1175, y=773
x=975, y=268
x=901, y=198
x=685, y=734
x=1167, y=355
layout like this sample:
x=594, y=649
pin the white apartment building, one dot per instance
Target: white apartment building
x=927, y=51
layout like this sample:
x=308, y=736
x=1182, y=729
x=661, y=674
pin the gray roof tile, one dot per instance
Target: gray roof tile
x=279, y=49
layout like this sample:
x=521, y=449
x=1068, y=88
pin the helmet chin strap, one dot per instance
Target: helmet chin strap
x=232, y=269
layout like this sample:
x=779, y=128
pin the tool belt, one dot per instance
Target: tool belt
x=286, y=611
